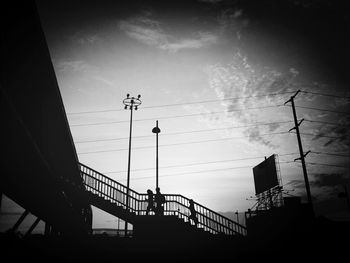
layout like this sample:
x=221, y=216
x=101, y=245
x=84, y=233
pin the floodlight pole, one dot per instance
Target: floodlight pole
x=301, y=152
x=156, y=130
x=131, y=103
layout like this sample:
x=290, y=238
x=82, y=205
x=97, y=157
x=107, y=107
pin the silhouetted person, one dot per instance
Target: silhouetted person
x=150, y=206
x=193, y=214
x=160, y=200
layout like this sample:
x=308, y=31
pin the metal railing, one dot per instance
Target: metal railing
x=176, y=205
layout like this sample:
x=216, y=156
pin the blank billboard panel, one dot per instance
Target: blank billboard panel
x=265, y=175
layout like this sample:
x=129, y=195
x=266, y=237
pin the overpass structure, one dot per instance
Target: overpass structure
x=36, y=142
x=40, y=168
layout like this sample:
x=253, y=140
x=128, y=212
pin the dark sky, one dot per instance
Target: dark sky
x=313, y=29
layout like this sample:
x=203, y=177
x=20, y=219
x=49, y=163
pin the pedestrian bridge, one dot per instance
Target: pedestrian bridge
x=111, y=196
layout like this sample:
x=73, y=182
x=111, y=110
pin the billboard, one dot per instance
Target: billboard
x=265, y=175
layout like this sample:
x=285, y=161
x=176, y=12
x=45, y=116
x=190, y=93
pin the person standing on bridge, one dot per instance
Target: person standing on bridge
x=150, y=206
x=193, y=212
x=160, y=201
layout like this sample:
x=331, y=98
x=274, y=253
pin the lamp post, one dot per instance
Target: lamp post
x=130, y=103
x=156, y=130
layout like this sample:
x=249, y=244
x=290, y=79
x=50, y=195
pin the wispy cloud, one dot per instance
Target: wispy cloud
x=341, y=133
x=76, y=66
x=328, y=185
x=232, y=21
x=150, y=32
x=330, y=179
x=84, y=38
x=240, y=79
x=83, y=70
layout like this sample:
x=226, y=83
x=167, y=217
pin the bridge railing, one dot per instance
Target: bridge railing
x=177, y=205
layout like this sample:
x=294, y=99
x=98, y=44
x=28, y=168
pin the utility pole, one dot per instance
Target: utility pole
x=301, y=152
x=156, y=130
x=130, y=103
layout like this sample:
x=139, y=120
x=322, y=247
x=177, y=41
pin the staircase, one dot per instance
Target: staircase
x=110, y=196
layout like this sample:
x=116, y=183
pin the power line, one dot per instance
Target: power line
x=320, y=136
x=325, y=110
x=187, y=103
x=328, y=123
x=176, y=144
x=331, y=154
x=203, y=141
x=176, y=116
x=203, y=171
x=198, y=131
x=194, y=164
x=323, y=94
x=326, y=164
x=186, y=132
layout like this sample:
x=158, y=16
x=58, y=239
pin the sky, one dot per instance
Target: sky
x=216, y=74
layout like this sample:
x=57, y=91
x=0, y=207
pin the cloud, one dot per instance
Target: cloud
x=273, y=127
x=202, y=39
x=75, y=66
x=83, y=70
x=145, y=30
x=149, y=31
x=296, y=183
x=254, y=135
x=240, y=79
x=329, y=179
x=340, y=133
x=84, y=38
x=232, y=21
x=328, y=185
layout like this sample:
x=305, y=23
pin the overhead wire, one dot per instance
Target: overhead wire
x=204, y=141
x=198, y=131
x=186, y=103
x=186, y=132
x=324, y=94
x=325, y=110
x=195, y=164
x=327, y=123
x=173, y=117
x=203, y=171
x=176, y=144
x=320, y=135
x=206, y=113
x=326, y=164
x=331, y=154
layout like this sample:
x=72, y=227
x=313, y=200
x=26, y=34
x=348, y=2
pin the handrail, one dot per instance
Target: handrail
x=176, y=204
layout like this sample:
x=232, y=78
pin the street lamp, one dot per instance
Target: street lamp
x=156, y=130
x=130, y=103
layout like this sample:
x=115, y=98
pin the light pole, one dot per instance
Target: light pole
x=156, y=130
x=130, y=103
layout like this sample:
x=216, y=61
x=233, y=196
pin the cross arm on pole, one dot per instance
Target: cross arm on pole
x=304, y=155
x=292, y=97
x=299, y=123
